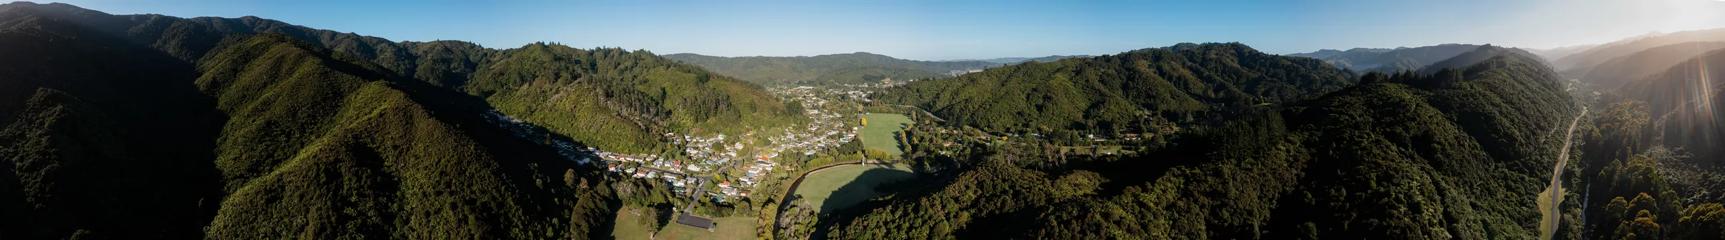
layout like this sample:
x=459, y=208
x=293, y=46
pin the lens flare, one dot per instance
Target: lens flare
x=1704, y=89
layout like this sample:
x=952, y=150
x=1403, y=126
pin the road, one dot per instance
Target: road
x=1552, y=197
x=924, y=112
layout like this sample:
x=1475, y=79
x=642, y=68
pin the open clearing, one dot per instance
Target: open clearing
x=881, y=129
x=844, y=186
x=632, y=226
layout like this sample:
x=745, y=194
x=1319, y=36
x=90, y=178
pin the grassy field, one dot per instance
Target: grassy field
x=881, y=129
x=844, y=186
x=630, y=226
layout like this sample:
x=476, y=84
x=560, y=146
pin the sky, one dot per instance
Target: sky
x=949, y=30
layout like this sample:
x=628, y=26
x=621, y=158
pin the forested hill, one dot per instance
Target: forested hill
x=1146, y=90
x=1387, y=60
x=614, y=99
x=264, y=136
x=850, y=68
x=1653, y=159
x=1458, y=154
x=1478, y=55
x=100, y=139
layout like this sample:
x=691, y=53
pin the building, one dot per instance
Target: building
x=691, y=220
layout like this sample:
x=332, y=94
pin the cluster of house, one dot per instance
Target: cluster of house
x=827, y=128
x=703, y=148
x=649, y=166
x=752, y=175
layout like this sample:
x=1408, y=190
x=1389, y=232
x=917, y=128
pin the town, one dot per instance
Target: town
x=737, y=163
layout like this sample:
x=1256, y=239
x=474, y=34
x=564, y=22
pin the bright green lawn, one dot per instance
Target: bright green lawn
x=847, y=185
x=735, y=227
x=881, y=129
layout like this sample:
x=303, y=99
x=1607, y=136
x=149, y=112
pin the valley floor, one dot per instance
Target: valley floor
x=1552, y=198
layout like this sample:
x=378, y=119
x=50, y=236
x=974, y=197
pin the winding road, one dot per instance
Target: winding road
x=1552, y=197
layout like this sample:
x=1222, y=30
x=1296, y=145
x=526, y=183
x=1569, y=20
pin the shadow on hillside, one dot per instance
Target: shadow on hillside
x=862, y=188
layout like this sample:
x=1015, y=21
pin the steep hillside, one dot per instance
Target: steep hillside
x=317, y=145
x=264, y=136
x=100, y=138
x=1478, y=55
x=620, y=100
x=1683, y=102
x=858, y=67
x=1389, y=60
x=1459, y=154
x=306, y=145
x=1137, y=91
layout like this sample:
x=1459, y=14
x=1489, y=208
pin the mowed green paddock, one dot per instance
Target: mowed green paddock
x=881, y=131
x=632, y=226
x=827, y=190
x=845, y=186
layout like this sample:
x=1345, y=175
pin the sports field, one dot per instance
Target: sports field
x=881, y=129
x=844, y=186
x=630, y=226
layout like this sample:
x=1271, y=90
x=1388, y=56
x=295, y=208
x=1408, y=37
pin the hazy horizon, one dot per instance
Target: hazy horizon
x=971, y=30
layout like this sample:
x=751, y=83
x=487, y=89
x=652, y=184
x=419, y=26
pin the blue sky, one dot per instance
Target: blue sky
x=930, y=30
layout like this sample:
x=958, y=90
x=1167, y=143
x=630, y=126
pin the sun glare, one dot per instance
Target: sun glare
x=1704, y=91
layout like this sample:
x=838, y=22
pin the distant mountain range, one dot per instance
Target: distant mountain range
x=1014, y=60
x=1596, y=55
x=1673, y=78
x=1465, y=60
x=860, y=67
x=1620, y=71
x=1387, y=59
x=1621, y=63
x=848, y=68
x=1552, y=54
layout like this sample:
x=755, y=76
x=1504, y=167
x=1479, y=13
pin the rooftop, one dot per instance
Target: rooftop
x=693, y=221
